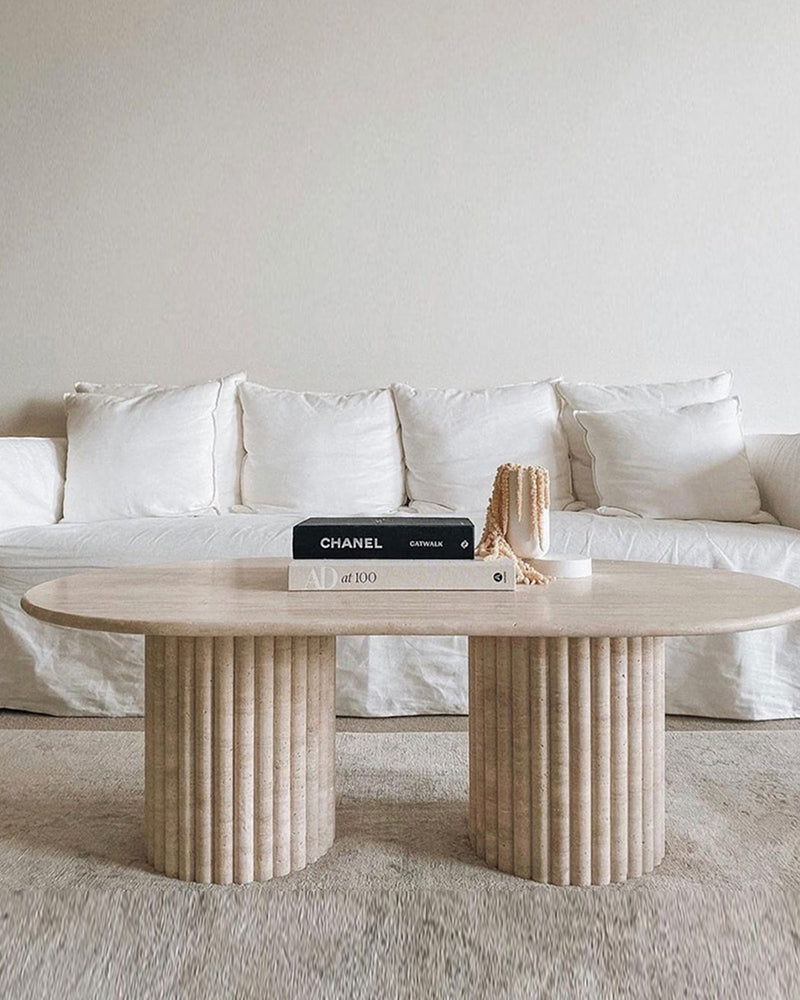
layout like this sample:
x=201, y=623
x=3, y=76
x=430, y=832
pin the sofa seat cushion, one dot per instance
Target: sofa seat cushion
x=766, y=549
x=72, y=547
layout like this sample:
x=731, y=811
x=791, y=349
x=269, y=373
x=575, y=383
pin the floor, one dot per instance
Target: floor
x=399, y=907
x=351, y=724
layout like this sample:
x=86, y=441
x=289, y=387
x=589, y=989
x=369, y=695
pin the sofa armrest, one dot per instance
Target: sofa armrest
x=775, y=460
x=32, y=472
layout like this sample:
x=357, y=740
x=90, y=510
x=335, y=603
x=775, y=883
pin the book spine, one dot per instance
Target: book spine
x=379, y=574
x=383, y=542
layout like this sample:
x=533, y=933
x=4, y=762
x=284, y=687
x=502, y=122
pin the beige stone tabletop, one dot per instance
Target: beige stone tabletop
x=250, y=597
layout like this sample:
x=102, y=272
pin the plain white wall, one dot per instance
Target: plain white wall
x=341, y=194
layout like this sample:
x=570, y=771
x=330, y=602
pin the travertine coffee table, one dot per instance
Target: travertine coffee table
x=566, y=693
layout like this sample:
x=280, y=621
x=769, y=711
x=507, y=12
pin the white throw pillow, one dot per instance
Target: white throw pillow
x=228, y=446
x=688, y=463
x=320, y=453
x=31, y=481
x=586, y=396
x=454, y=440
x=146, y=456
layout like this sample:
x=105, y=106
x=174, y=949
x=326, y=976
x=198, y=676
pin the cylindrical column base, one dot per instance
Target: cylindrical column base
x=566, y=742
x=239, y=755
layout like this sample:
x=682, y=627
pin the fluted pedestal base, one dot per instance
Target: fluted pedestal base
x=566, y=743
x=239, y=755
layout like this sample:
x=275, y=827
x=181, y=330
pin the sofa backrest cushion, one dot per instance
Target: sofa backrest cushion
x=590, y=397
x=146, y=456
x=321, y=453
x=31, y=481
x=228, y=446
x=454, y=440
x=686, y=463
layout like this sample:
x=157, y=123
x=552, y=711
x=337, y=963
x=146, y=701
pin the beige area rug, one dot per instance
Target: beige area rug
x=400, y=906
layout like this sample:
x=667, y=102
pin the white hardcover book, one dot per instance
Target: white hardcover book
x=402, y=574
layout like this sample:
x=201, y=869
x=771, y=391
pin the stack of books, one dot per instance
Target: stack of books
x=392, y=553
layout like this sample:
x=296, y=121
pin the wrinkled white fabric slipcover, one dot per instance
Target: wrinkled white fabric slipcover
x=61, y=671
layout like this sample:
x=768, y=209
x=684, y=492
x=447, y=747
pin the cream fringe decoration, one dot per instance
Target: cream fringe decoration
x=494, y=542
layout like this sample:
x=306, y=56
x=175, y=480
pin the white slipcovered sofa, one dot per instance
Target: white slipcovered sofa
x=61, y=671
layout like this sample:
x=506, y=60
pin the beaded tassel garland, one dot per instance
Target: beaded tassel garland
x=494, y=542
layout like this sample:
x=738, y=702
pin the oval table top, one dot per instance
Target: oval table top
x=250, y=597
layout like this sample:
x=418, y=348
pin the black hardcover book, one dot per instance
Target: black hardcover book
x=384, y=538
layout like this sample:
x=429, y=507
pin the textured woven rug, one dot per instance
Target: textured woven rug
x=399, y=906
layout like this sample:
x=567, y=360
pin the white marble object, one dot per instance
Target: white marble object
x=563, y=565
